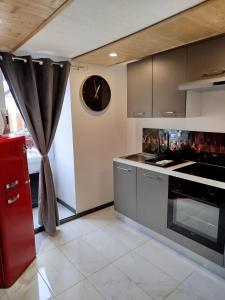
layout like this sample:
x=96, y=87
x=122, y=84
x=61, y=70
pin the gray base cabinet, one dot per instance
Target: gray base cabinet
x=152, y=198
x=141, y=195
x=125, y=189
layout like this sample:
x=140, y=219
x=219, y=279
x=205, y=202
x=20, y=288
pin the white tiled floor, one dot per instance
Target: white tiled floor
x=63, y=213
x=98, y=257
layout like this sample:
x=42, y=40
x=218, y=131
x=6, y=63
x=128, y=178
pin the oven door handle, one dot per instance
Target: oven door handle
x=194, y=198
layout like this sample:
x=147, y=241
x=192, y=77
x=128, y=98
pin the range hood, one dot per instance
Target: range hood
x=215, y=83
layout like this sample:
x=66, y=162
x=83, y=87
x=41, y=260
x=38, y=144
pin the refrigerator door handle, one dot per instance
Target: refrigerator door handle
x=14, y=199
x=11, y=184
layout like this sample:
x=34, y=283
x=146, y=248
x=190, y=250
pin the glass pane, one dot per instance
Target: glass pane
x=197, y=217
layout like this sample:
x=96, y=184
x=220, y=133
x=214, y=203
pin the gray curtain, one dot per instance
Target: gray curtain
x=39, y=91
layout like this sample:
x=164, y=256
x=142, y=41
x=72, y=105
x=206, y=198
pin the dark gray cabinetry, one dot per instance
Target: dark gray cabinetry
x=125, y=189
x=139, y=89
x=206, y=58
x=169, y=70
x=152, y=198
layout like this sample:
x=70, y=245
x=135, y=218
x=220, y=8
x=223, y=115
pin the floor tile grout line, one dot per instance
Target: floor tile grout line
x=61, y=293
x=146, y=261
x=109, y=262
x=182, y=282
x=129, y=278
x=53, y=293
x=86, y=276
x=50, y=289
x=115, y=258
x=179, y=283
x=172, y=252
x=101, y=294
x=159, y=268
x=118, y=240
x=123, y=245
x=156, y=268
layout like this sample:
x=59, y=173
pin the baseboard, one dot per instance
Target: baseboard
x=79, y=215
x=66, y=205
x=94, y=209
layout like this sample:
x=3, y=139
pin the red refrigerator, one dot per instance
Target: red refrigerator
x=17, y=246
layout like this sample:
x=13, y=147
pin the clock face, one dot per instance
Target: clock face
x=96, y=93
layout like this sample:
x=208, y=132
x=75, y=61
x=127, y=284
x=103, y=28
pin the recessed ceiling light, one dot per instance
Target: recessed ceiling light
x=113, y=54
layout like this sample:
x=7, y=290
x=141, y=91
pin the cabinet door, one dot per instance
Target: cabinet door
x=125, y=189
x=17, y=247
x=139, y=89
x=206, y=58
x=152, y=198
x=169, y=70
x=13, y=165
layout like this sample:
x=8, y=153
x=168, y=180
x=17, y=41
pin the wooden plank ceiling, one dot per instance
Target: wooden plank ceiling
x=200, y=22
x=21, y=19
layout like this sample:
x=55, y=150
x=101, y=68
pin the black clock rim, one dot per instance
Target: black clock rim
x=83, y=99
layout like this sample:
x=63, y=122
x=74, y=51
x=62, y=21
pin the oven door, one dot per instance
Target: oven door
x=202, y=220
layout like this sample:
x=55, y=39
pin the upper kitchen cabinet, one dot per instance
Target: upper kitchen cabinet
x=139, y=89
x=169, y=70
x=206, y=59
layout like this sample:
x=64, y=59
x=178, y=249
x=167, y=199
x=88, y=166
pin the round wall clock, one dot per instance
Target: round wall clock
x=96, y=93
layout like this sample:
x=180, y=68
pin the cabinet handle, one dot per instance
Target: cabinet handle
x=11, y=184
x=127, y=170
x=14, y=199
x=139, y=114
x=152, y=177
x=214, y=73
x=169, y=113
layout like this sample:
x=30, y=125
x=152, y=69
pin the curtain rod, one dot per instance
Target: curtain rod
x=34, y=60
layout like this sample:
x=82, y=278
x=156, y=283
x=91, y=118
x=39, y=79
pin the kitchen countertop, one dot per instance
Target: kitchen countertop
x=171, y=171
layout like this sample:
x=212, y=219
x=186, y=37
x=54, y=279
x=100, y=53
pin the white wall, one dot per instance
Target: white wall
x=62, y=160
x=98, y=137
x=2, y=102
x=212, y=119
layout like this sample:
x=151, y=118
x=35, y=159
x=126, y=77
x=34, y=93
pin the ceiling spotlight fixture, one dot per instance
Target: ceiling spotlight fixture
x=113, y=54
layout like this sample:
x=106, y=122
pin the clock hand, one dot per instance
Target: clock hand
x=95, y=85
x=96, y=94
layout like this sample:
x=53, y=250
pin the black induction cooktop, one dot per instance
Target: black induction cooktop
x=204, y=170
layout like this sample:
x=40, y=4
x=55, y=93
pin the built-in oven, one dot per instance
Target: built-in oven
x=197, y=211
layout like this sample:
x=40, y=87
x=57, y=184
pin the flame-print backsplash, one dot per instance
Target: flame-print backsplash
x=192, y=145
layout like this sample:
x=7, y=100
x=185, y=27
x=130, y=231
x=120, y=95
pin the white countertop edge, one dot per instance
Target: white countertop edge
x=171, y=171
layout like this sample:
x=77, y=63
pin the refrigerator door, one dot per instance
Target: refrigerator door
x=17, y=246
x=13, y=163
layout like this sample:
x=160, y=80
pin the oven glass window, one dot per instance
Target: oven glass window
x=196, y=217
x=197, y=211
